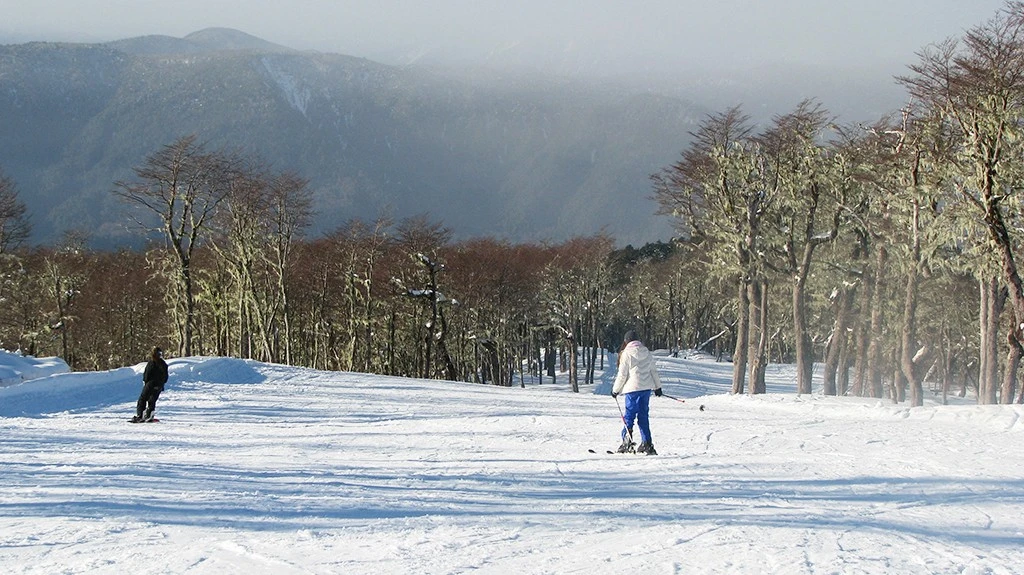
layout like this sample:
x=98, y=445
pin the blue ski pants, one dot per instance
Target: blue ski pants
x=638, y=404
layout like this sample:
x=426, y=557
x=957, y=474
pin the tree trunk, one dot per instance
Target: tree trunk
x=1013, y=358
x=765, y=341
x=353, y=320
x=592, y=357
x=286, y=318
x=739, y=357
x=994, y=301
x=1015, y=286
x=593, y=361
x=874, y=358
x=835, y=351
x=843, y=377
x=538, y=355
x=442, y=348
x=863, y=338
x=948, y=364
x=910, y=360
x=758, y=336
x=801, y=333
x=392, y=328
x=549, y=355
x=573, y=368
x=984, y=348
x=185, y=345
x=368, y=329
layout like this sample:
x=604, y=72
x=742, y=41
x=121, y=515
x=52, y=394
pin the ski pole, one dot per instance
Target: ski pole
x=622, y=416
x=663, y=394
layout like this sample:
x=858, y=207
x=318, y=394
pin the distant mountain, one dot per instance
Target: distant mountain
x=208, y=40
x=506, y=156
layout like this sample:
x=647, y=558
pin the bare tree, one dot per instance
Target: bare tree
x=181, y=185
x=563, y=308
x=811, y=179
x=977, y=88
x=423, y=239
x=712, y=191
x=240, y=234
x=14, y=225
x=290, y=210
x=64, y=279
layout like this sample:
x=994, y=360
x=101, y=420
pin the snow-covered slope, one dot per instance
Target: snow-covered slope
x=16, y=368
x=260, y=468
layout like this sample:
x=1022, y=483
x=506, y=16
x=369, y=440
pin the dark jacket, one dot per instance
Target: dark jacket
x=156, y=373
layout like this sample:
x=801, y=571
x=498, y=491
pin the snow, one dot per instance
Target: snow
x=16, y=368
x=259, y=468
x=297, y=95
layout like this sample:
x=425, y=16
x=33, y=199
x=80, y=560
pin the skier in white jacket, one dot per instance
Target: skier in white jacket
x=637, y=376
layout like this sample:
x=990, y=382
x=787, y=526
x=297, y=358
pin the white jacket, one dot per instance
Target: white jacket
x=636, y=370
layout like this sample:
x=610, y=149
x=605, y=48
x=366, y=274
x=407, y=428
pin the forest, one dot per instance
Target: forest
x=886, y=254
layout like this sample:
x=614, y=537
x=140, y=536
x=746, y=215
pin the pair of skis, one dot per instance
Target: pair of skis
x=610, y=452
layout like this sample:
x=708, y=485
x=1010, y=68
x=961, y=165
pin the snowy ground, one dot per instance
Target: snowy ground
x=261, y=468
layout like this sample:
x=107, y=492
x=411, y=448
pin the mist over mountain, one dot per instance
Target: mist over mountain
x=206, y=40
x=510, y=156
x=489, y=147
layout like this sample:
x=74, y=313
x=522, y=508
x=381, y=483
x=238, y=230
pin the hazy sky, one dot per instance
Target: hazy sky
x=619, y=34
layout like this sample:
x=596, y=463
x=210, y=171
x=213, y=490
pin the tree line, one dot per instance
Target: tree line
x=886, y=254
x=229, y=271
x=891, y=245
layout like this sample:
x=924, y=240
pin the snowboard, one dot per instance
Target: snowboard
x=154, y=420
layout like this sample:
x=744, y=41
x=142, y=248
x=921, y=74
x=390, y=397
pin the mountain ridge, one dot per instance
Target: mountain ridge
x=523, y=160
x=205, y=40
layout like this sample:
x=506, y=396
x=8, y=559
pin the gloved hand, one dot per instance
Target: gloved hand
x=614, y=394
x=657, y=392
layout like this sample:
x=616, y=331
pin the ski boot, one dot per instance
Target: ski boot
x=647, y=448
x=626, y=447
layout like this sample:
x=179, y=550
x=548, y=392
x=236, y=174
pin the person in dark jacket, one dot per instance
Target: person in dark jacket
x=153, y=380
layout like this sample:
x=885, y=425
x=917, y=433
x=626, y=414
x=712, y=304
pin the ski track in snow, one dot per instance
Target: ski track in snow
x=261, y=468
